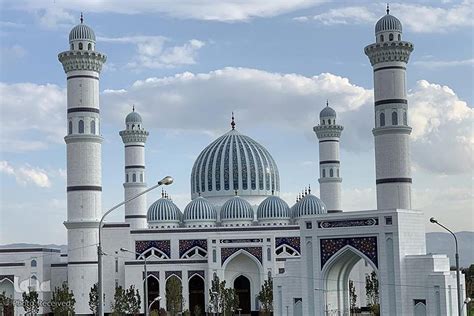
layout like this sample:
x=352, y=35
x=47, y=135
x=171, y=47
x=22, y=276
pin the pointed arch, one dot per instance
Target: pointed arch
x=244, y=252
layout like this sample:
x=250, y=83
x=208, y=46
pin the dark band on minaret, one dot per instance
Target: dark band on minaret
x=232, y=123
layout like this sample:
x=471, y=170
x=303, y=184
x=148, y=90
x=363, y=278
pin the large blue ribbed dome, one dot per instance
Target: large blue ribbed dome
x=273, y=207
x=309, y=205
x=234, y=162
x=200, y=209
x=163, y=211
x=82, y=32
x=237, y=209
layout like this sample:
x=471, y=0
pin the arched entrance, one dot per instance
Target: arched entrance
x=242, y=289
x=336, y=274
x=7, y=289
x=196, y=295
x=174, y=295
x=153, y=292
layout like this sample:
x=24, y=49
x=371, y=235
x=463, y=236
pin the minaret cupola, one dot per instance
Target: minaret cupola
x=82, y=37
x=388, y=28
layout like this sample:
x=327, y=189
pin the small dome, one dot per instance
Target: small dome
x=200, y=209
x=133, y=117
x=237, y=208
x=82, y=32
x=309, y=205
x=327, y=111
x=273, y=207
x=388, y=23
x=163, y=211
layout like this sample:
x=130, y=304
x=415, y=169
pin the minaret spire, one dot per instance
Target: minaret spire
x=232, y=123
x=388, y=9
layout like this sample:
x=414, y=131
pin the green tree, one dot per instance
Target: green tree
x=372, y=292
x=174, y=295
x=126, y=301
x=265, y=296
x=63, y=301
x=196, y=312
x=352, y=295
x=30, y=302
x=119, y=305
x=230, y=300
x=6, y=303
x=94, y=299
x=222, y=299
x=133, y=300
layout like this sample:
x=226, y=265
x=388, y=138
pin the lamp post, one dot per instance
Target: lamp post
x=165, y=181
x=146, y=279
x=156, y=299
x=458, y=272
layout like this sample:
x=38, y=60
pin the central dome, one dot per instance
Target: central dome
x=234, y=164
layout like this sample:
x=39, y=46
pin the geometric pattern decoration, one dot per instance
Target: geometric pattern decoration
x=156, y=274
x=143, y=245
x=254, y=251
x=179, y=274
x=9, y=277
x=198, y=272
x=187, y=244
x=349, y=223
x=233, y=241
x=293, y=242
x=366, y=245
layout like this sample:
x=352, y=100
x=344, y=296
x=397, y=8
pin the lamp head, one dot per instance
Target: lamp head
x=158, y=298
x=124, y=250
x=166, y=181
x=433, y=220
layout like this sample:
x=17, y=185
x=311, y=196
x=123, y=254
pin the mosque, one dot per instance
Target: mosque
x=236, y=226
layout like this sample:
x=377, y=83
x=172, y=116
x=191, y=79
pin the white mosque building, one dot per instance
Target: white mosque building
x=236, y=226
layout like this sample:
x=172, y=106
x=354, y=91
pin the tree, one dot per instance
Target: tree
x=119, y=305
x=174, y=295
x=94, y=300
x=126, y=301
x=63, y=301
x=372, y=291
x=352, y=295
x=230, y=300
x=30, y=302
x=216, y=299
x=265, y=296
x=6, y=304
x=133, y=300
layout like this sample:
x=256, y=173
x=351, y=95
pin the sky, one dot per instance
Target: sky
x=186, y=65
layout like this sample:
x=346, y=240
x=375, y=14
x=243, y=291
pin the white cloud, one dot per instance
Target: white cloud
x=32, y=116
x=26, y=174
x=213, y=10
x=437, y=64
x=415, y=17
x=12, y=52
x=55, y=16
x=153, y=52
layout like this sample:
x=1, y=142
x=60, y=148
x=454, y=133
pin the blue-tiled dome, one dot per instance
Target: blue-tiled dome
x=163, y=211
x=234, y=162
x=309, y=205
x=237, y=208
x=327, y=112
x=200, y=209
x=388, y=23
x=82, y=32
x=273, y=208
x=133, y=117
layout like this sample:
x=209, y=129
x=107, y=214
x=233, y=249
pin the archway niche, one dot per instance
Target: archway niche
x=153, y=292
x=242, y=289
x=7, y=288
x=196, y=295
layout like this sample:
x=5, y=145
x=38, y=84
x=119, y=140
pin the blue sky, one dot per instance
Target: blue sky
x=187, y=65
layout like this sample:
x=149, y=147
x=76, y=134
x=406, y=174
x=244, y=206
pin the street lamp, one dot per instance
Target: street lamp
x=156, y=299
x=458, y=272
x=466, y=302
x=146, y=279
x=165, y=181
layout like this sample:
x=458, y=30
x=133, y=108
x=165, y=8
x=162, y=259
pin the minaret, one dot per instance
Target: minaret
x=389, y=57
x=134, y=137
x=82, y=64
x=328, y=133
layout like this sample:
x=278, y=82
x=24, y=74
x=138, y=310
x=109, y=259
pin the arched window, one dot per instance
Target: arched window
x=331, y=172
x=390, y=37
x=126, y=177
x=382, y=119
x=72, y=46
x=33, y=263
x=214, y=255
x=381, y=38
x=81, y=127
x=80, y=46
x=405, y=119
x=134, y=177
x=329, y=121
x=92, y=127
x=399, y=37
x=269, y=254
x=394, y=118
x=141, y=177
x=70, y=127
x=324, y=173
x=323, y=122
x=89, y=46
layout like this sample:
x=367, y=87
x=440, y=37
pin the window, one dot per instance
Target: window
x=324, y=173
x=92, y=127
x=323, y=122
x=134, y=177
x=70, y=127
x=141, y=177
x=399, y=37
x=405, y=119
x=80, y=46
x=72, y=46
x=309, y=225
x=381, y=38
x=394, y=118
x=390, y=37
x=126, y=177
x=388, y=220
x=329, y=121
x=81, y=127
x=89, y=46
x=116, y=265
x=269, y=254
x=33, y=263
x=214, y=255
x=281, y=270
x=331, y=173
x=338, y=172
x=382, y=119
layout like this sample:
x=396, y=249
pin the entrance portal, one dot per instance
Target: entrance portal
x=196, y=295
x=242, y=289
x=153, y=292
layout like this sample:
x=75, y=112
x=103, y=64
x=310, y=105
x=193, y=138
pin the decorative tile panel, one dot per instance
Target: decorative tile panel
x=9, y=277
x=198, y=272
x=156, y=274
x=254, y=251
x=143, y=245
x=372, y=221
x=244, y=240
x=179, y=274
x=366, y=245
x=187, y=244
x=293, y=242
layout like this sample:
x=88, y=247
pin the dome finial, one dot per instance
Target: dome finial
x=133, y=108
x=388, y=9
x=327, y=102
x=232, y=123
x=82, y=18
x=309, y=188
x=273, y=191
x=162, y=193
x=235, y=192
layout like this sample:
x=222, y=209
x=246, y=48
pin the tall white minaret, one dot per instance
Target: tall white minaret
x=82, y=64
x=328, y=133
x=389, y=57
x=134, y=137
